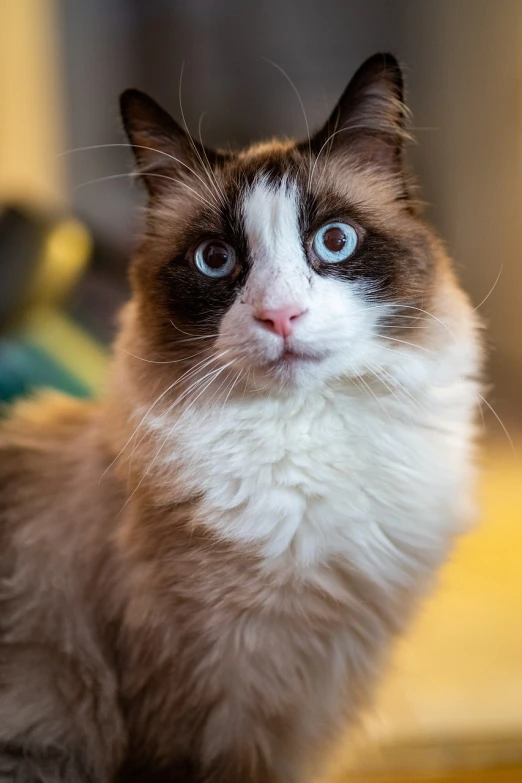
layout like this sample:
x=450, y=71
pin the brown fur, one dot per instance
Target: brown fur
x=136, y=645
x=150, y=598
x=143, y=603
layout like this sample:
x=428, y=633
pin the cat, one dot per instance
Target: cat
x=203, y=572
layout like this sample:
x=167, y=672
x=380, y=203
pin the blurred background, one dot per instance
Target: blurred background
x=451, y=708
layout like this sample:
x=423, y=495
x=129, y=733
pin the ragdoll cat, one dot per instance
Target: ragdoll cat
x=202, y=573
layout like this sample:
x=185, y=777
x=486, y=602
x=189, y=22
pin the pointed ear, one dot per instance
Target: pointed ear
x=369, y=119
x=162, y=149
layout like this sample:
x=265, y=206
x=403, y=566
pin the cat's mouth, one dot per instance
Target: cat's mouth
x=294, y=366
x=294, y=359
x=291, y=356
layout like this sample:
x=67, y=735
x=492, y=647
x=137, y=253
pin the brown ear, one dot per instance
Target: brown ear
x=163, y=151
x=370, y=117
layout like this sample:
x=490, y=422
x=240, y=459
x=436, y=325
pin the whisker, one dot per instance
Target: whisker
x=171, y=361
x=221, y=192
x=135, y=175
x=411, y=307
x=223, y=383
x=490, y=290
x=296, y=91
x=193, y=386
x=169, y=435
x=139, y=147
x=371, y=391
x=405, y=342
x=166, y=391
x=193, y=339
x=505, y=429
x=189, y=374
x=395, y=351
x=482, y=417
x=254, y=382
x=341, y=130
x=397, y=384
x=418, y=318
x=234, y=383
x=394, y=326
x=193, y=336
x=329, y=149
x=194, y=146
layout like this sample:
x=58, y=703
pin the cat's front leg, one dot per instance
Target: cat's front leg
x=58, y=719
x=249, y=750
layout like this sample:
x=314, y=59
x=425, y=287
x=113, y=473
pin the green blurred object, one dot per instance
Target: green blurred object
x=24, y=368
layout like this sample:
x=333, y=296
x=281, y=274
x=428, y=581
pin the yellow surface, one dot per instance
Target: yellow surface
x=453, y=700
x=485, y=776
x=31, y=117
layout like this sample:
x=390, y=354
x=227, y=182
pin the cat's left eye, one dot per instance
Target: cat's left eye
x=335, y=242
x=215, y=258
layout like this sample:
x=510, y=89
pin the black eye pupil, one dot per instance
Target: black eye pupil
x=215, y=255
x=334, y=239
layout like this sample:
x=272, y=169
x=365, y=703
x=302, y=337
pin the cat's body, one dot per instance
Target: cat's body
x=217, y=604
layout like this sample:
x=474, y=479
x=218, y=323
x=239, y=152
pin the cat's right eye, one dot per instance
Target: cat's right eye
x=335, y=242
x=215, y=258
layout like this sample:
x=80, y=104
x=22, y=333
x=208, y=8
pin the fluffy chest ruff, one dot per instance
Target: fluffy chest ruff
x=380, y=481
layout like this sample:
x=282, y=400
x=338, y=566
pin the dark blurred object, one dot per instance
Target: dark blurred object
x=21, y=241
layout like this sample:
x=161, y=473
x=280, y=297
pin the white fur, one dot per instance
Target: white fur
x=280, y=273
x=331, y=472
x=328, y=468
x=335, y=314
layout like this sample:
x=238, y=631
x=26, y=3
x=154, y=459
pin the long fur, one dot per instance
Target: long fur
x=202, y=573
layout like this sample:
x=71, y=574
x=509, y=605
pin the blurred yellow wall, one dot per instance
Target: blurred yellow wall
x=31, y=116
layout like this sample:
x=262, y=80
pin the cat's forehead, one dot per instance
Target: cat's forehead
x=272, y=163
x=270, y=178
x=330, y=182
x=267, y=151
x=216, y=200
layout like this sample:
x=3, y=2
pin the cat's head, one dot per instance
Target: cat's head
x=291, y=263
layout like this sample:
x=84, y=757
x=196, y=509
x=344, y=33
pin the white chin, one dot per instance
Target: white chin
x=291, y=372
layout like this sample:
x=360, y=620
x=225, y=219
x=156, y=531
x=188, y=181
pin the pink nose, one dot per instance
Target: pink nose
x=280, y=321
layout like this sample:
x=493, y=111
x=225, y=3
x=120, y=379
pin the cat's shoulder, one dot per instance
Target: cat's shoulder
x=38, y=427
x=36, y=436
x=48, y=413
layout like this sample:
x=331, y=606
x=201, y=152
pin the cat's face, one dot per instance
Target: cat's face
x=298, y=263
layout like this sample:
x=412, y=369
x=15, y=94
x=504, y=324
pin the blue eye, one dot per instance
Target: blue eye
x=215, y=258
x=335, y=242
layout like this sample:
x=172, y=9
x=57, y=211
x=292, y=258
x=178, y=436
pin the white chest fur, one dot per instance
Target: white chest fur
x=383, y=482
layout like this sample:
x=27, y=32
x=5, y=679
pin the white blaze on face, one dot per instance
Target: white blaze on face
x=280, y=275
x=336, y=325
